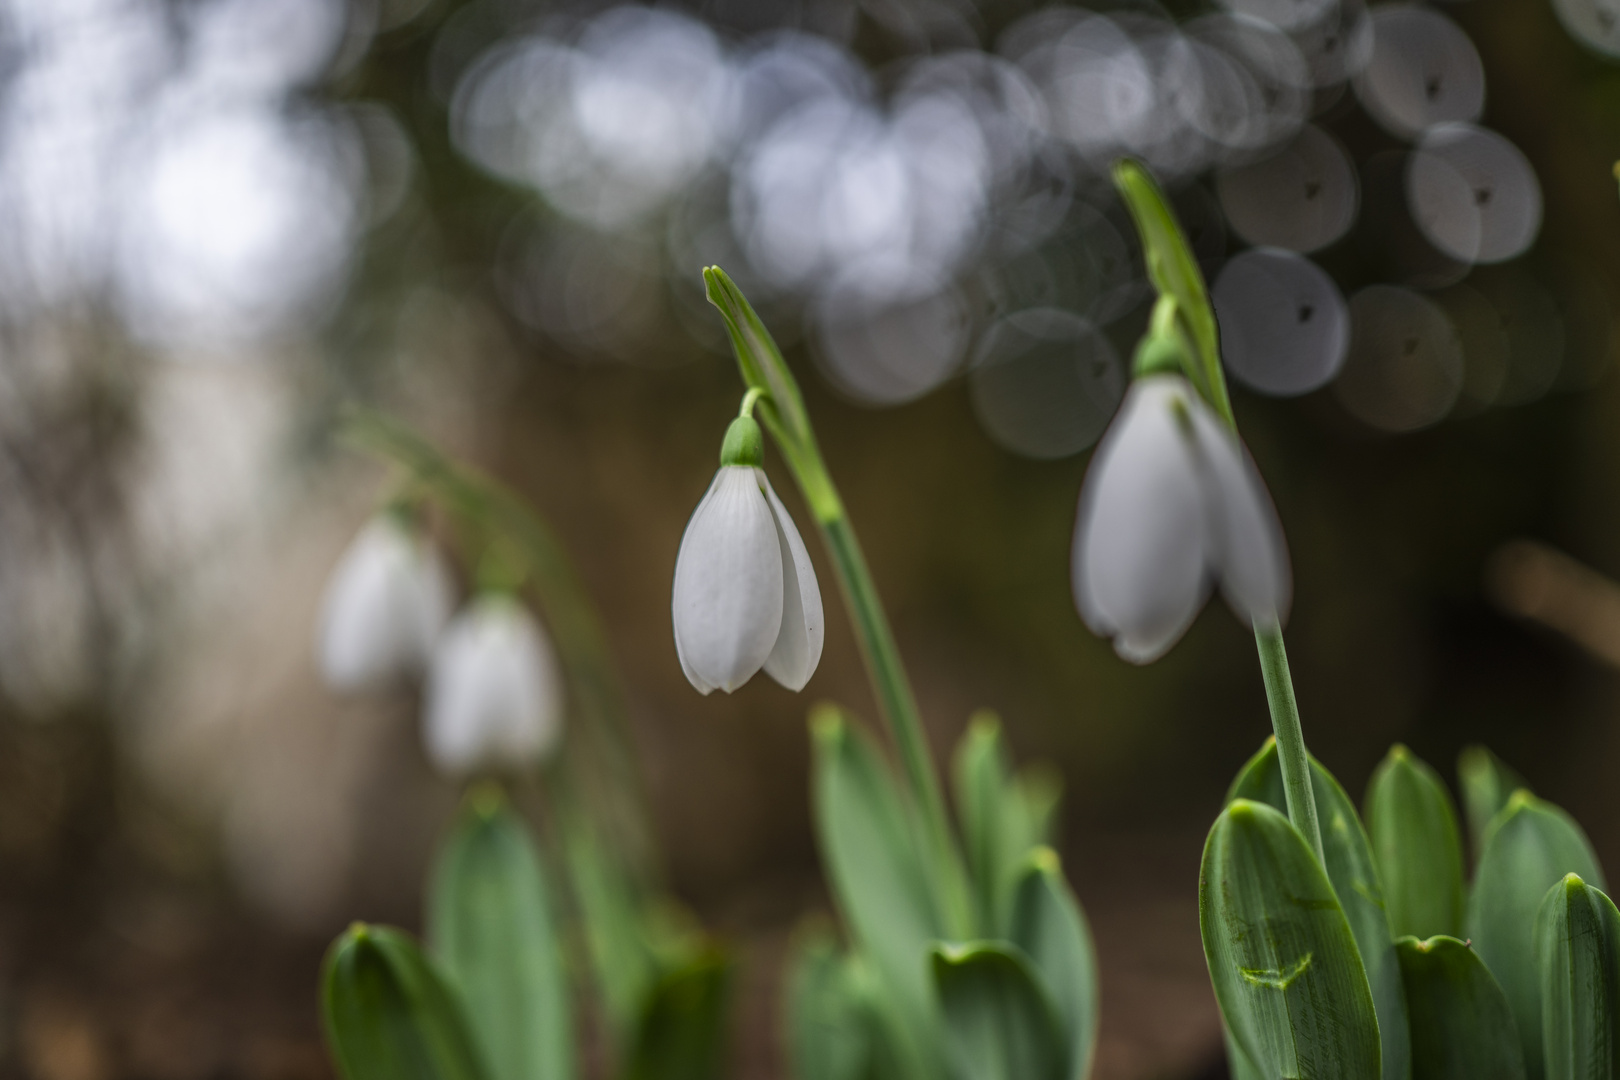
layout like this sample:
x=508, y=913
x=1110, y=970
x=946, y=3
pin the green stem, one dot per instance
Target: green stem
x=1291, y=755
x=896, y=702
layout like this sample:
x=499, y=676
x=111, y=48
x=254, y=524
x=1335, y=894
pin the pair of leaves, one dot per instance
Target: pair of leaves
x=496, y=1005
x=1357, y=899
x=1528, y=849
x=493, y=930
x=925, y=1008
x=1003, y=819
x=389, y=1013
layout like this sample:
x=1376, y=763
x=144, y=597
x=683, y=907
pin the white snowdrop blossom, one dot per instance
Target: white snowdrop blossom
x=745, y=593
x=384, y=606
x=1173, y=504
x=495, y=692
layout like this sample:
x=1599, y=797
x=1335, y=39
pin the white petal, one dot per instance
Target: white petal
x=387, y=600
x=495, y=694
x=1140, y=541
x=798, y=647
x=727, y=603
x=1247, y=549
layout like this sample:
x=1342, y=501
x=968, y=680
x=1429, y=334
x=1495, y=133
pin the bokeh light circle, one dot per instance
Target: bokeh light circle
x=1405, y=367
x=1284, y=324
x=1045, y=383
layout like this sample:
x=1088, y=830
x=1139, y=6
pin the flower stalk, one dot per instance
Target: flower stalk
x=774, y=395
x=1184, y=309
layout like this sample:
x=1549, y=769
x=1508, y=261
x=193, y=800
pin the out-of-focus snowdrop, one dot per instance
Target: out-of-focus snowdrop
x=1172, y=505
x=495, y=692
x=745, y=592
x=384, y=607
x=607, y=128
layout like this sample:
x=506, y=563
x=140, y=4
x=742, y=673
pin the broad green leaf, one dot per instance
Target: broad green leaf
x=1530, y=846
x=1175, y=273
x=1462, y=1028
x=623, y=964
x=828, y=1025
x=492, y=932
x=1413, y=828
x=1281, y=956
x=1048, y=925
x=999, y=1022
x=1354, y=876
x=869, y=844
x=1487, y=784
x=1578, y=950
x=389, y=1015
x=1003, y=818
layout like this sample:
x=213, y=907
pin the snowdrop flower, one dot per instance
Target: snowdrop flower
x=745, y=593
x=384, y=605
x=1172, y=503
x=494, y=694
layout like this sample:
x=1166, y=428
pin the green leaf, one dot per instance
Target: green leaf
x=492, y=932
x=389, y=1015
x=1487, y=784
x=1530, y=846
x=1238, y=1065
x=682, y=1033
x=623, y=965
x=1354, y=876
x=1578, y=950
x=1413, y=828
x=1002, y=819
x=1048, y=925
x=828, y=1022
x=1462, y=1027
x=869, y=844
x=999, y=1022
x=1281, y=956
x=1175, y=273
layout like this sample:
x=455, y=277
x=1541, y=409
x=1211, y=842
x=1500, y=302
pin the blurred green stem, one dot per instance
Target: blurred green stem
x=1179, y=281
x=781, y=410
x=510, y=541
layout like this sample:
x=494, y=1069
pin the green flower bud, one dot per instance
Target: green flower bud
x=1160, y=354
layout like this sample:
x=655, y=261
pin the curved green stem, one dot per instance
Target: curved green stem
x=1184, y=300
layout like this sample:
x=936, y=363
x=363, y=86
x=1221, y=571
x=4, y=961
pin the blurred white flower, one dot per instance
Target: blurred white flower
x=384, y=605
x=495, y=693
x=1172, y=503
x=745, y=593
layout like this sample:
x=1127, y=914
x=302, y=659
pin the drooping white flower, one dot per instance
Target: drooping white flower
x=384, y=606
x=495, y=692
x=745, y=593
x=1172, y=504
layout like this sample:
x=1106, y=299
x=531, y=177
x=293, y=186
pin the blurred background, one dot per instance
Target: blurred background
x=221, y=220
